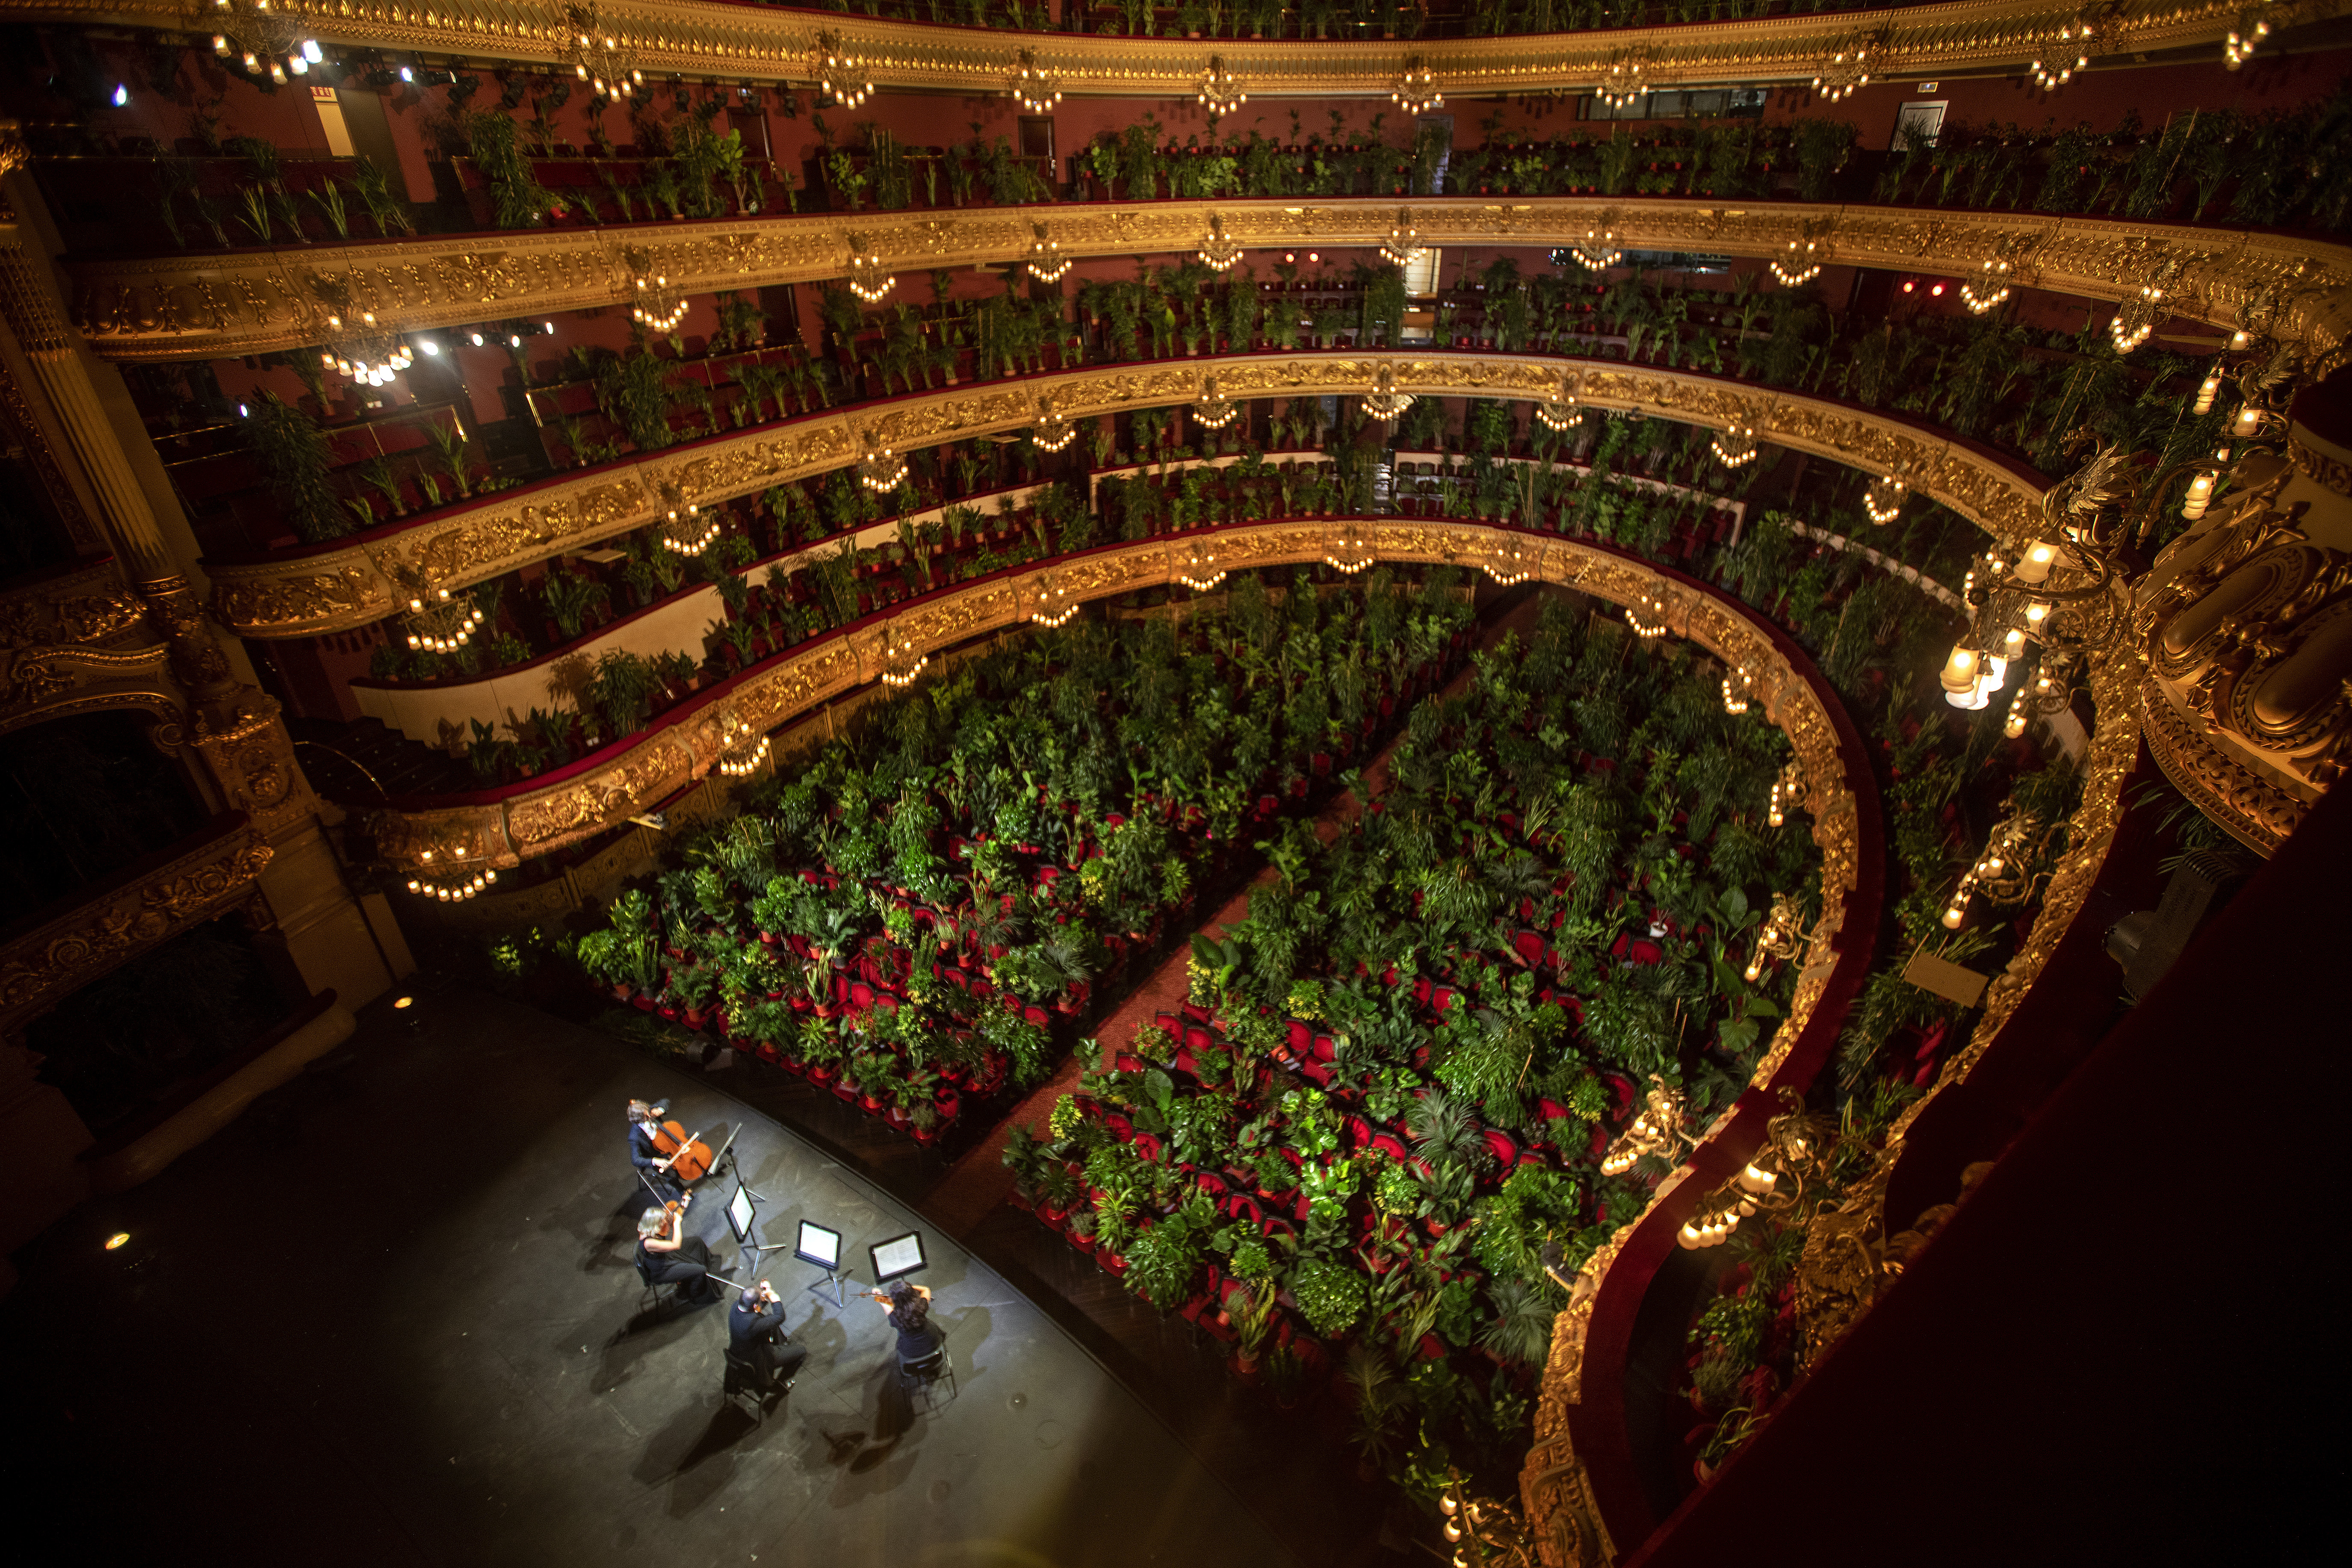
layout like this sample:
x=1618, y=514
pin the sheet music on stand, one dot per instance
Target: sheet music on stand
x=818, y=1245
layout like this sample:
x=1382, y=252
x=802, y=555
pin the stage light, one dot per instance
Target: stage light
x=1938, y=290
x=428, y=345
x=405, y=1002
x=121, y=95
x=476, y=337
x=117, y=1239
x=1908, y=284
x=243, y=412
x=406, y=74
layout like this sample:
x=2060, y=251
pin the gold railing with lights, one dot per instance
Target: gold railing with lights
x=324, y=589
x=802, y=46
x=196, y=305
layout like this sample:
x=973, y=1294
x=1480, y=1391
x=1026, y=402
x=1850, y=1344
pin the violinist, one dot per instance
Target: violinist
x=755, y=1334
x=653, y=1166
x=666, y=1255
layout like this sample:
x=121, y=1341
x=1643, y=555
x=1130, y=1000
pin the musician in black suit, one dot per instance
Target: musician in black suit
x=755, y=1334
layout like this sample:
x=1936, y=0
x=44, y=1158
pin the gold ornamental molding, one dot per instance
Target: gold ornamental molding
x=88, y=604
x=338, y=587
x=46, y=963
x=738, y=42
x=197, y=305
x=460, y=839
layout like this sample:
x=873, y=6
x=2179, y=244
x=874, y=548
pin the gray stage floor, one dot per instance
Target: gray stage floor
x=389, y=1317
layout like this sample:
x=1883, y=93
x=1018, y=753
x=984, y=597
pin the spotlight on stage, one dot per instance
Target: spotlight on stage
x=117, y=1239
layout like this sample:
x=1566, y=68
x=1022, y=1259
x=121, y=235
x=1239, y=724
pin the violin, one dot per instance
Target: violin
x=673, y=1212
x=689, y=1157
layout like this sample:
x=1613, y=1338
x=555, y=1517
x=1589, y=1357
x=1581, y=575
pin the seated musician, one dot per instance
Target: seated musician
x=645, y=1121
x=755, y=1333
x=908, y=1307
x=669, y=1255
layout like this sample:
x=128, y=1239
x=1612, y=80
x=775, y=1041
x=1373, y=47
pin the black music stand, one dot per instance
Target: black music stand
x=898, y=1257
x=726, y=1156
x=817, y=1245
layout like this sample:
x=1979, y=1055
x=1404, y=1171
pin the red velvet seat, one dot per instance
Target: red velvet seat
x=1505, y=1147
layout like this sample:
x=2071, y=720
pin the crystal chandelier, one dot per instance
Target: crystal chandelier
x=900, y=663
x=882, y=469
x=1033, y=90
x=1989, y=287
x=868, y=279
x=263, y=39
x=1416, y=92
x=1213, y=411
x=1347, y=552
x=1845, y=71
x=1734, y=444
x=1562, y=410
x=598, y=59
x=742, y=746
x=685, y=530
x=840, y=74
x=438, y=623
x=2055, y=67
x=1600, y=250
x=1219, y=250
x=371, y=355
x=1403, y=245
x=455, y=892
x=1384, y=401
x=1046, y=263
x=1055, y=605
x=1201, y=572
x=1053, y=429
x=1622, y=83
x=1884, y=499
x=1801, y=261
x=1219, y=90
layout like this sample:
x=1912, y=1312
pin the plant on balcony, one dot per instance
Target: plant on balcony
x=570, y=598
x=518, y=200
x=296, y=457
x=449, y=451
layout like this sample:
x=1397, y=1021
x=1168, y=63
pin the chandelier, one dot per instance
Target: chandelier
x=1506, y=564
x=1788, y=794
x=684, y=529
x=437, y=623
x=1801, y=261
x=1212, y=410
x=1220, y=91
x=1046, y=263
x=1735, y=698
x=2053, y=70
x=1416, y=92
x=1782, y=937
x=868, y=279
x=1562, y=410
x=2004, y=873
x=2239, y=47
x=1201, y=572
x=840, y=74
x=900, y=663
x=882, y=469
x=1403, y=245
x=2136, y=317
x=453, y=892
x=1989, y=287
x=1622, y=82
x=1659, y=1129
x=1844, y=72
x=1219, y=250
x=1347, y=552
x=1647, y=616
x=741, y=747
x=371, y=355
x=1384, y=401
x=1884, y=499
x=1787, y=1152
x=658, y=307
x=263, y=39
x=1734, y=444
x=598, y=59
x=1033, y=90
x=2052, y=690
x=1055, y=605
x=1600, y=250
x=1053, y=429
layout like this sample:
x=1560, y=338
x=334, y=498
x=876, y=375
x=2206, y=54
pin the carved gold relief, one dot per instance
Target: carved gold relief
x=323, y=591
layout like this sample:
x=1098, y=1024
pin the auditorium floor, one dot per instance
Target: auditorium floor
x=388, y=1316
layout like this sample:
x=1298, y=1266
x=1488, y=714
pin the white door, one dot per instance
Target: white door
x=1918, y=123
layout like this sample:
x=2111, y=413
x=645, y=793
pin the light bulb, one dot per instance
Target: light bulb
x=2036, y=565
x=2200, y=495
x=2206, y=390
x=121, y=95
x=1960, y=669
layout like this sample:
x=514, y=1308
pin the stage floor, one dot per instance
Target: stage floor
x=389, y=1317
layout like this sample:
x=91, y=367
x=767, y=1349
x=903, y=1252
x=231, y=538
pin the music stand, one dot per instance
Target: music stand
x=817, y=1245
x=898, y=1257
x=726, y=1156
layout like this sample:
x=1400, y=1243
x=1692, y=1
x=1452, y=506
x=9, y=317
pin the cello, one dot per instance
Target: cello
x=688, y=1157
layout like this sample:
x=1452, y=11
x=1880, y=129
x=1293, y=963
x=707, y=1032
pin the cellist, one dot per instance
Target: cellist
x=653, y=1165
